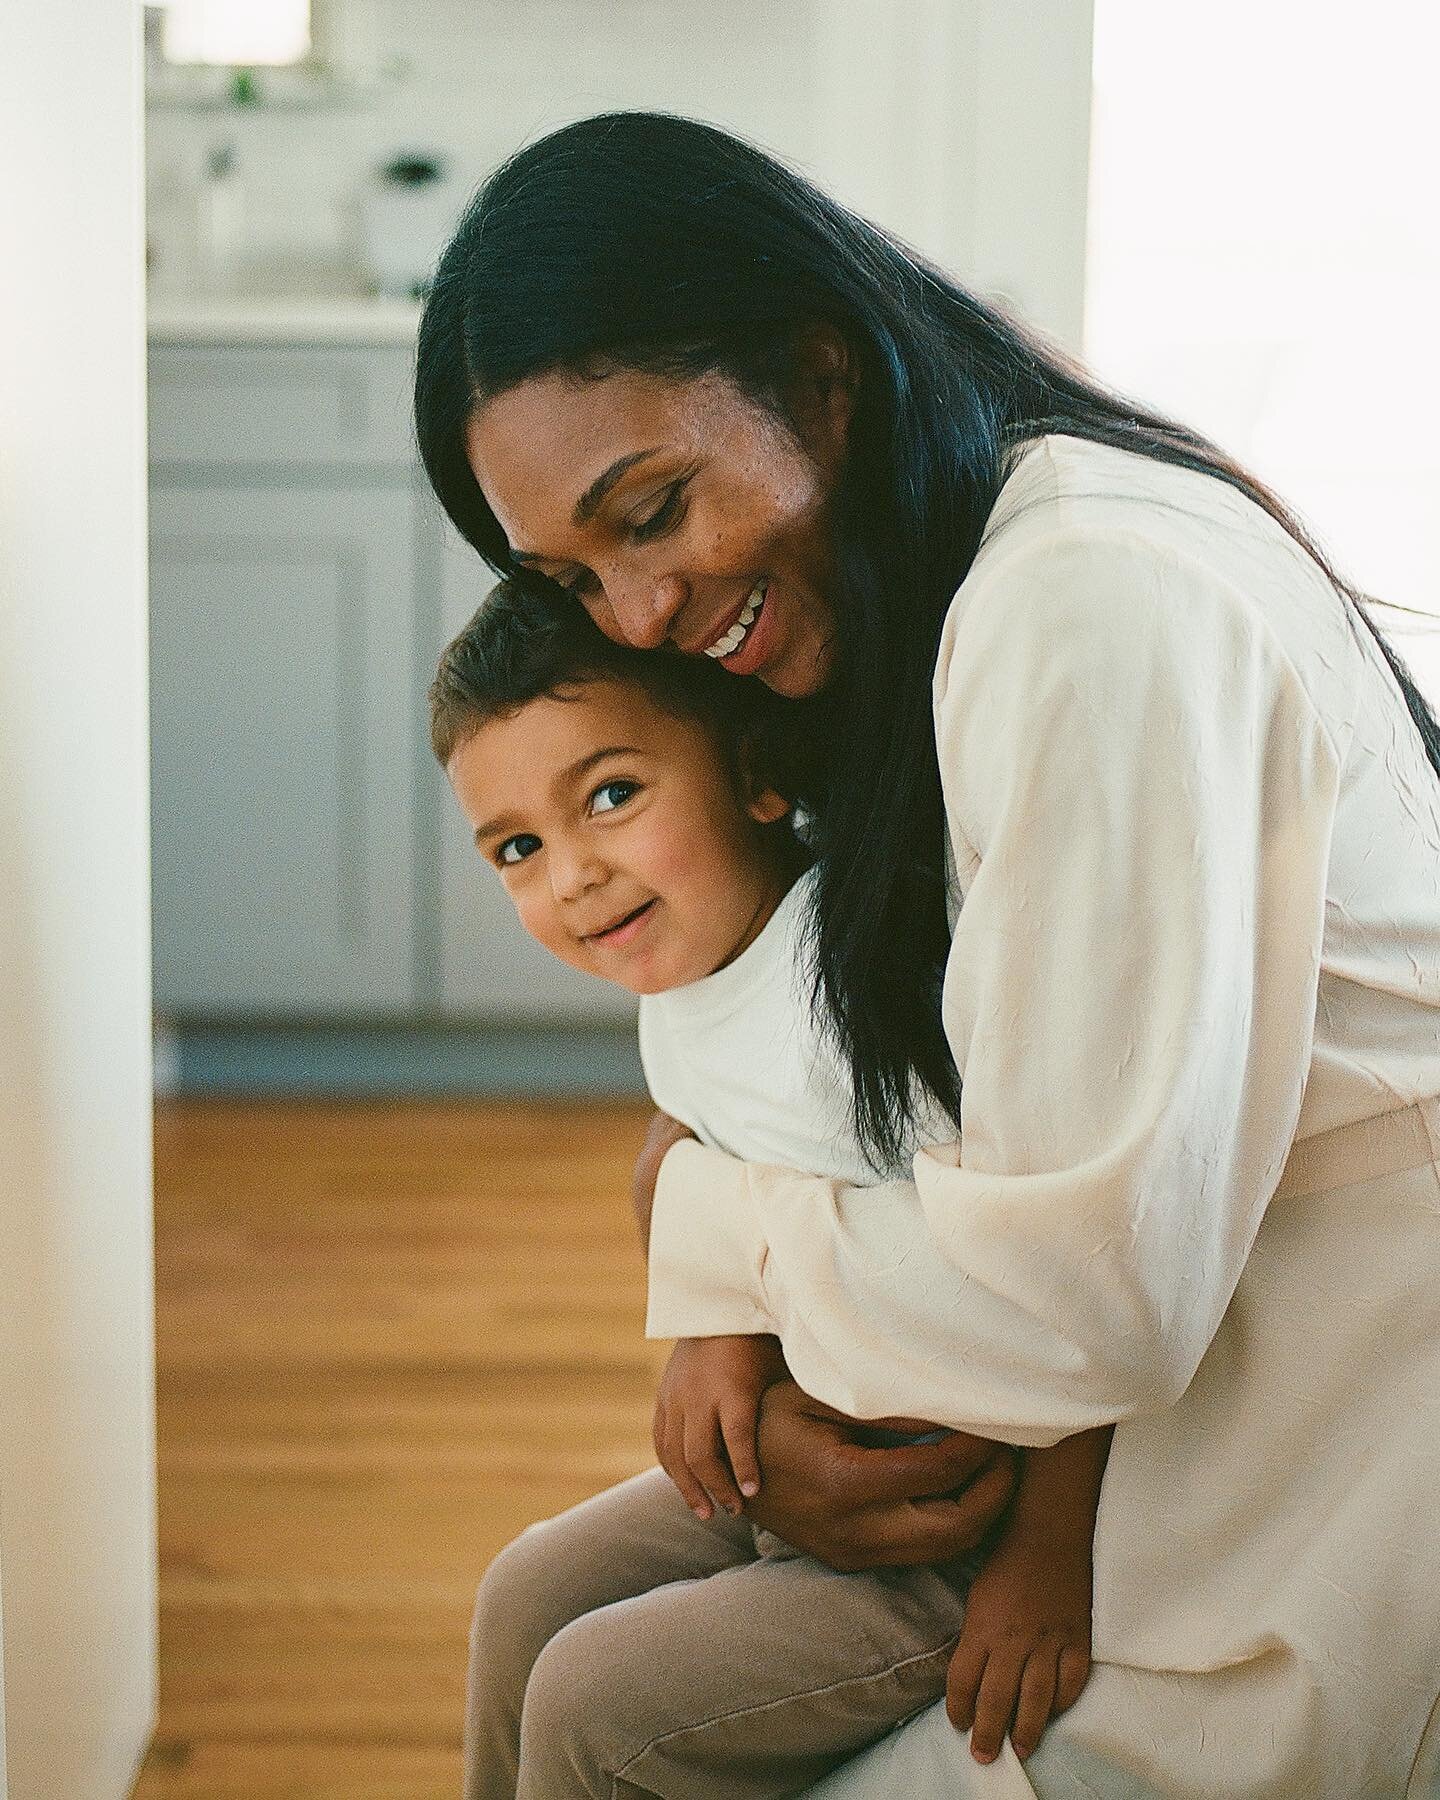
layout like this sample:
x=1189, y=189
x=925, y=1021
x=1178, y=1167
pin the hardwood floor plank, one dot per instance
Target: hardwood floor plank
x=389, y=1337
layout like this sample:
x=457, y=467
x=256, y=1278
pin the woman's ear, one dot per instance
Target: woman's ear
x=822, y=397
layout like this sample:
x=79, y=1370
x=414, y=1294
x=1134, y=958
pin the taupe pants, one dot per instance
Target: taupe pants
x=626, y=1648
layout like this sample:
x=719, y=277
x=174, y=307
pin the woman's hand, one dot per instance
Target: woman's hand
x=859, y=1508
x=664, y=1131
x=705, y=1416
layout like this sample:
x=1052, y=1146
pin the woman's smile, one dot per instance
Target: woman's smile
x=735, y=634
x=749, y=647
x=677, y=512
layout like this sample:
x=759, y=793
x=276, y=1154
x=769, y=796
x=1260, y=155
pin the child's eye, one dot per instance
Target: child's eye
x=664, y=515
x=612, y=794
x=516, y=849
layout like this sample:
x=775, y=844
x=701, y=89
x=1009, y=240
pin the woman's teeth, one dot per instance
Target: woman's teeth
x=735, y=636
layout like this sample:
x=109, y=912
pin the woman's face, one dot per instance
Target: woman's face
x=676, y=511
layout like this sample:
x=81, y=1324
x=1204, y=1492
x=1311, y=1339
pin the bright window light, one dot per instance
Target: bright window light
x=243, y=33
x=1263, y=261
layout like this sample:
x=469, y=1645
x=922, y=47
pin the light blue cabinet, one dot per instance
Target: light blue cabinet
x=284, y=704
x=309, y=862
x=296, y=410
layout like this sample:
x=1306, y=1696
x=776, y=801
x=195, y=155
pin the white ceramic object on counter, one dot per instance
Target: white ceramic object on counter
x=338, y=319
x=404, y=229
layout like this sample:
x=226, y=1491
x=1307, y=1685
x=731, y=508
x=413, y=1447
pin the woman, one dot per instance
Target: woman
x=1128, y=831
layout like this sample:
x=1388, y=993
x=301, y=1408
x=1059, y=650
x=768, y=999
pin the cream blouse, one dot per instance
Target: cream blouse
x=1197, y=844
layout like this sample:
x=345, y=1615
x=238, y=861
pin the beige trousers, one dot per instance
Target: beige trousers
x=626, y=1648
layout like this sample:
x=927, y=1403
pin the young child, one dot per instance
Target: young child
x=623, y=799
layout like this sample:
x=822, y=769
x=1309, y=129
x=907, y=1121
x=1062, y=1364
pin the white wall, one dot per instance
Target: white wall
x=77, y=1488
x=484, y=77
x=961, y=124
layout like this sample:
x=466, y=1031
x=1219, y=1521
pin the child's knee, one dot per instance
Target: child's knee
x=520, y=1602
x=587, y=1703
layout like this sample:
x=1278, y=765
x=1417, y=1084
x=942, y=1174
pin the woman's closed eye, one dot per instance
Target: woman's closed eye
x=666, y=514
x=664, y=518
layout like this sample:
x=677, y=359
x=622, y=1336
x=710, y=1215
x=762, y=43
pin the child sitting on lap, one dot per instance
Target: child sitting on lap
x=623, y=799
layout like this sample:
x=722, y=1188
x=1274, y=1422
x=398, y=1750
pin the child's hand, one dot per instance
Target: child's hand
x=705, y=1417
x=1024, y=1650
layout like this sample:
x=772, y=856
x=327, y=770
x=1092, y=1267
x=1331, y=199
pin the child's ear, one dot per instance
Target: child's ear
x=763, y=804
x=767, y=806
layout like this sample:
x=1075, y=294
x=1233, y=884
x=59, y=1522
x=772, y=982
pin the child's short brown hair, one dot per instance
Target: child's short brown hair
x=522, y=644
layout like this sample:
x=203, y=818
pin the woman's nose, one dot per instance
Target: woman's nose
x=645, y=608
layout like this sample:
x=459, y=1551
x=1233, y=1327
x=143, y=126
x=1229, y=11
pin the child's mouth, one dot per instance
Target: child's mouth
x=623, y=929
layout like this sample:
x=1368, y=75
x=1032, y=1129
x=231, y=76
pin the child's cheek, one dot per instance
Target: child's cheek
x=662, y=853
x=539, y=918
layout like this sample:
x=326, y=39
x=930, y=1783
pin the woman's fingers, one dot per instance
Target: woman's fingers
x=932, y=1530
x=738, y=1426
x=968, y=1515
x=911, y=1471
x=705, y=1456
x=907, y=1532
x=853, y=1507
x=1037, y=1697
x=995, y=1701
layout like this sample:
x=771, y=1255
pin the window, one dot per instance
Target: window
x=243, y=33
x=1263, y=263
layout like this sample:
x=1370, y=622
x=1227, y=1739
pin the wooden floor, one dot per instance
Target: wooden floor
x=390, y=1335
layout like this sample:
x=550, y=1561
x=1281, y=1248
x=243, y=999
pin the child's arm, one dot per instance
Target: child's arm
x=1024, y=1650
x=708, y=1406
x=706, y=1413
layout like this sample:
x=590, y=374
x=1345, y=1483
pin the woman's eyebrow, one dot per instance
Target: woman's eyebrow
x=589, y=502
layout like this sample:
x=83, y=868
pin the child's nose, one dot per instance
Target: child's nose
x=574, y=872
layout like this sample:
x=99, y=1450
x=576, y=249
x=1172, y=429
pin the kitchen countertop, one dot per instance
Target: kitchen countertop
x=288, y=319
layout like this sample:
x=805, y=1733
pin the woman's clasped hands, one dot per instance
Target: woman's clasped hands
x=727, y=1410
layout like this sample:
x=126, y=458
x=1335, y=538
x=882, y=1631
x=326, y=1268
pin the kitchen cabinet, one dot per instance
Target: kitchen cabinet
x=309, y=862
x=283, y=680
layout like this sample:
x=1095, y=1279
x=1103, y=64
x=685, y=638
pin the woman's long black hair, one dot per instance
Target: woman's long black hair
x=657, y=243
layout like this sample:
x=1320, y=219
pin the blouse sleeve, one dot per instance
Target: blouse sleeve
x=1140, y=797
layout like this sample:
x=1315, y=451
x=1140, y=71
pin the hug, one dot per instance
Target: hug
x=1027, y=850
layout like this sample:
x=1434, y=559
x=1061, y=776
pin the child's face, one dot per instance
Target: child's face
x=618, y=834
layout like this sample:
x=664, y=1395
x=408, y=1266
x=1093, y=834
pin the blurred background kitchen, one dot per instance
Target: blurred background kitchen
x=1214, y=227
x=398, y=1307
